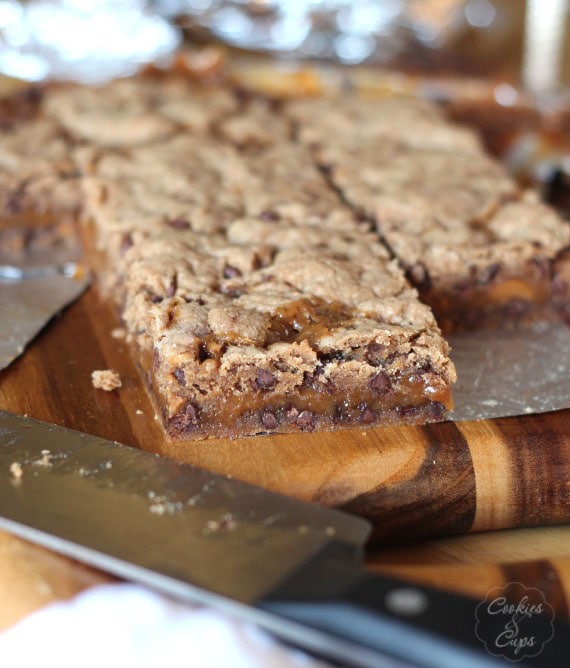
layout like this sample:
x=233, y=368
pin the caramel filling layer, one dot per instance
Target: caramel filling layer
x=406, y=391
x=516, y=288
x=496, y=302
x=405, y=395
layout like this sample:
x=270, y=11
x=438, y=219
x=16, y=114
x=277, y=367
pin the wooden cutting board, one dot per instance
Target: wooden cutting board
x=412, y=482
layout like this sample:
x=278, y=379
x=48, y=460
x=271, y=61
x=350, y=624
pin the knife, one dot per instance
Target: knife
x=293, y=568
x=34, y=286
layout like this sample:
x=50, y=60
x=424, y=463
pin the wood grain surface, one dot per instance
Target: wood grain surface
x=412, y=482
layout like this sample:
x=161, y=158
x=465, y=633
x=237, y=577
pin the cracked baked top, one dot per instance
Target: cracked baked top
x=480, y=249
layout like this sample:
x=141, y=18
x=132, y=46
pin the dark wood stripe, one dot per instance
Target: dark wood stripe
x=438, y=500
x=539, y=575
x=539, y=448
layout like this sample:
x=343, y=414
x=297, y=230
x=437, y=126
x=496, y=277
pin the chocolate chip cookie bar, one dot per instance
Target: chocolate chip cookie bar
x=39, y=194
x=254, y=299
x=479, y=249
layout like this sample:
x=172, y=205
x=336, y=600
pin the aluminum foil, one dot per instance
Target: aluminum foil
x=506, y=373
x=82, y=40
x=27, y=306
x=349, y=31
x=91, y=40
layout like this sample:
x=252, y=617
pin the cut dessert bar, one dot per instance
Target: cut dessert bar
x=39, y=193
x=479, y=250
x=255, y=299
x=315, y=337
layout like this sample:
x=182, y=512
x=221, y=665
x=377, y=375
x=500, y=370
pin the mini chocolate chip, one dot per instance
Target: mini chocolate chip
x=306, y=420
x=233, y=293
x=330, y=357
x=292, y=413
x=368, y=416
x=419, y=277
x=436, y=411
x=231, y=272
x=242, y=95
x=264, y=380
x=489, y=273
x=185, y=419
x=191, y=413
x=338, y=414
x=180, y=376
x=15, y=201
x=203, y=352
x=34, y=95
x=268, y=419
x=179, y=223
x=126, y=243
x=308, y=379
x=380, y=382
x=173, y=286
x=423, y=369
x=407, y=412
x=516, y=308
x=374, y=353
x=564, y=311
x=73, y=174
x=543, y=266
x=269, y=216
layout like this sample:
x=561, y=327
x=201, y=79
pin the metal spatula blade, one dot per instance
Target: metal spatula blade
x=33, y=288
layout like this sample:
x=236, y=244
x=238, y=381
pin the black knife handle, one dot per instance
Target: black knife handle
x=414, y=625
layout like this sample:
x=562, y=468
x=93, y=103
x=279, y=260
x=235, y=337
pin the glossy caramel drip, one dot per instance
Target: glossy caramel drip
x=307, y=320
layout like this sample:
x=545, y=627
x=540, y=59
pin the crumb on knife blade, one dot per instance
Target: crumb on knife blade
x=16, y=470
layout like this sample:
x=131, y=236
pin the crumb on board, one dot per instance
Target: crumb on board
x=45, y=459
x=119, y=333
x=16, y=470
x=139, y=412
x=106, y=379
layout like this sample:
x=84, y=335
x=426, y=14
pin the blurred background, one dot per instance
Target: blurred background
x=500, y=65
x=503, y=39
x=477, y=37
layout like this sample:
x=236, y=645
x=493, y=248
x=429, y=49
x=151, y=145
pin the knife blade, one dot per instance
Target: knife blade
x=292, y=567
x=33, y=288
